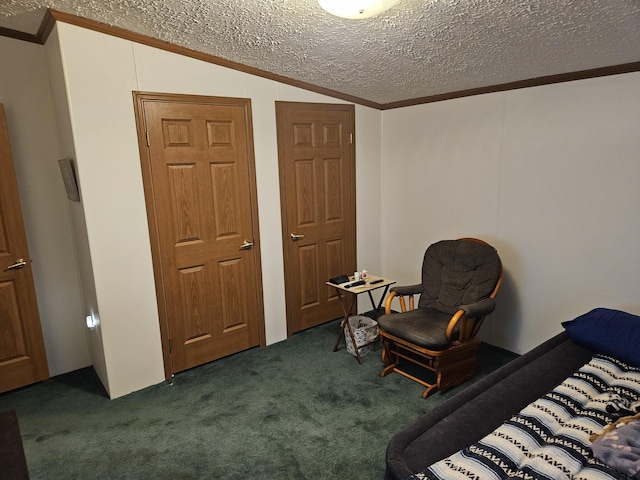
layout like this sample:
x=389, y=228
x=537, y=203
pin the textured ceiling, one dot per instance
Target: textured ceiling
x=419, y=48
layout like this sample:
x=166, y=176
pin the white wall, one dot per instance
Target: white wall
x=101, y=115
x=550, y=175
x=57, y=82
x=25, y=93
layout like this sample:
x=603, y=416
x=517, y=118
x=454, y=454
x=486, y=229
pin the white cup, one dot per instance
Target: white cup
x=357, y=276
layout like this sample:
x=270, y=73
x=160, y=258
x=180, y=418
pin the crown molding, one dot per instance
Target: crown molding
x=48, y=22
x=25, y=37
x=532, y=82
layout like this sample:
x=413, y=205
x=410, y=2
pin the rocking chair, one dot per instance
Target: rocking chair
x=436, y=344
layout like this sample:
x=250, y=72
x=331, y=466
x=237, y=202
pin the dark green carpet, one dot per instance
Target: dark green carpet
x=293, y=410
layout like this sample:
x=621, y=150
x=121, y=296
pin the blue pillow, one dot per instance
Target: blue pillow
x=610, y=332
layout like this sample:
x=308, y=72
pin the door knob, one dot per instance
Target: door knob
x=17, y=266
x=296, y=236
x=246, y=245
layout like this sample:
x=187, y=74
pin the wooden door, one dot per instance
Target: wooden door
x=23, y=359
x=317, y=195
x=198, y=164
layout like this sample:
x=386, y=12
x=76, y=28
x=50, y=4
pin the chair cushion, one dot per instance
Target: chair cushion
x=456, y=272
x=423, y=327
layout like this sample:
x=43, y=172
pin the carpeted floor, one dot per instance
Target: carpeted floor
x=293, y=410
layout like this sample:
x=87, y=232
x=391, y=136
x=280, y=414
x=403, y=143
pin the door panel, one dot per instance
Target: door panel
x=23, y=359
x=203, y=216
x=317, y=185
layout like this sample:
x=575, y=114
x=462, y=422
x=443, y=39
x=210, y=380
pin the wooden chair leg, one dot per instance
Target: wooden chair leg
x=388, y=370
x=430, y=390
x=387, y=357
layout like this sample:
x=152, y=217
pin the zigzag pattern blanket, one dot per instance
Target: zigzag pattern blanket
x=549, y=439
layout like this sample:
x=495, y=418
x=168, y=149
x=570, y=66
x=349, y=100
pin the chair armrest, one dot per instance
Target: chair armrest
x=468, y=319
x=401, y=292
x=408, y=289
x=478, y=309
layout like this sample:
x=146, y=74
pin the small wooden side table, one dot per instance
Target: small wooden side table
x=372, y=283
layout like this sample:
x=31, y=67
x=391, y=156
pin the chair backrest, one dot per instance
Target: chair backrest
x=458, y=272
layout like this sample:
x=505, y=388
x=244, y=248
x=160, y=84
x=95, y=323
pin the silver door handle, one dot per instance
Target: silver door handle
x=296, y=236
x=246, y=245
x=17, y=266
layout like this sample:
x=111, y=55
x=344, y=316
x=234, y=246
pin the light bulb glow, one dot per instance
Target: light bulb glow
x=356, y=8
x=91, y=322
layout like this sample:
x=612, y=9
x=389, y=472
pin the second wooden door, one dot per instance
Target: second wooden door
x=317, y=185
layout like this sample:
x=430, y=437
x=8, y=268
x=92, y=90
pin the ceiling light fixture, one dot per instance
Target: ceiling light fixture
x=356, y=8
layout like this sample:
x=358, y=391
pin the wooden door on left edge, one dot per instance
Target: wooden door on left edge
x=198, y=166
x=23, y=359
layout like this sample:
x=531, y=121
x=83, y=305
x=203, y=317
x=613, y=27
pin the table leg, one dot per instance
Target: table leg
x=345, y=323
x=373, y=304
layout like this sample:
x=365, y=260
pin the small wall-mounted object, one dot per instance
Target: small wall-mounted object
x=92, y=322
x=69, y=178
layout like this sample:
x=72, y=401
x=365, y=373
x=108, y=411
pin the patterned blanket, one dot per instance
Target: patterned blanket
x=549, y=439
